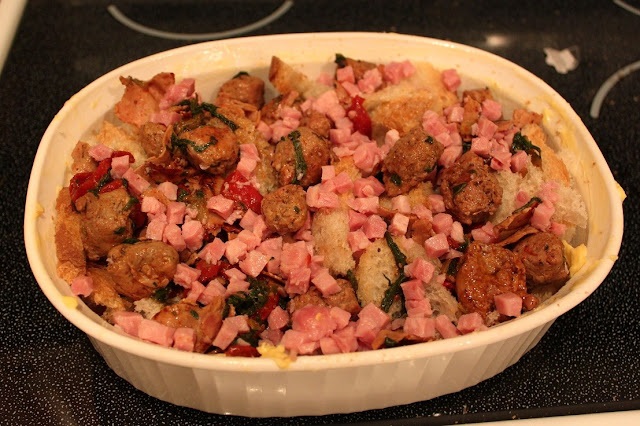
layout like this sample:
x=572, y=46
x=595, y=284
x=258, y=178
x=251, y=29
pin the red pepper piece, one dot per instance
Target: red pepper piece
x=269, y=306
x=236, y=187
x=242, y=350
x=207, y=270
x=359, y=116
x=113, y=185
x=115, y=154
x=81, y=183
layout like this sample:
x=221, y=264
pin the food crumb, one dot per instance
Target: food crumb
x=277, y=353
x=70, y=301
x=562, y=60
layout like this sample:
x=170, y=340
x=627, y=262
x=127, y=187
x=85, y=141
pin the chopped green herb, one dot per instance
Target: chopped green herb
x=240, y=74
x=400, y=258
x=390, y=343
x=458, y=188
x=120, y=230
x=183, y=144
x=197, y=109
x=132, y=202
x=161, y=294
x=393, y=290
x=340, y=60
x=521, y=142
x=182, y=194
x=250, y=302
x=301, y=164
x=194, y=314
x=130, y=241
x=395, y=179
x=199, y=193
x=296, y=209
x=530, y=203
x=351, y=277
x=429, y=140
x=453, y=266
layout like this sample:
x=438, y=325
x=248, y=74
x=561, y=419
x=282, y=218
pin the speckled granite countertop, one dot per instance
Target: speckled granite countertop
x=587, y=362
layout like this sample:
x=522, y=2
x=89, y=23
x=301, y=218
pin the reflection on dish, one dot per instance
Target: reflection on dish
x=129, y=23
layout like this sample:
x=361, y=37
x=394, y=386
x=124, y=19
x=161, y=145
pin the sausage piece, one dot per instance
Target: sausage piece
x=212, y=149
x=140, y=269
x=543, y=257
x=470, y=190
x=411, y=159
x=285, y=209
x=299, y=158
x=488, y=270
x=105, y=221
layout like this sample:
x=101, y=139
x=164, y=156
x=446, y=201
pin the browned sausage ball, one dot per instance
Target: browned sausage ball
x=410, y=161
x=213, y=149
x=105, y=221
x=470, y=190
x=543, y=257
x=488, y=270
x=285, y=209
x=299, y=157
x=140, y=269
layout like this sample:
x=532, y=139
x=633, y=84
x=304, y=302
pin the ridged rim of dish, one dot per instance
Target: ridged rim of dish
x=103, y=332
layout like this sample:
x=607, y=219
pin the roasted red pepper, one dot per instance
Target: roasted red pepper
x=242, y=350
x=359, y=116
x=269, y=306
x=236, y=187
x=81, y=183
x=207, y=270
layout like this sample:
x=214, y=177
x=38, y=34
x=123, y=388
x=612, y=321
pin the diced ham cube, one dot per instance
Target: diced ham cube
x=235, y=250
x=226, y=335
x=358, y=240
x=155, y=229
x=442, y=223
x=272, y=336
x=374, y=227
x=136, y=183
x=451, y=79
x=445, y=327
x=196, y=290
x=175, y=212
x=129, y=322
x=364, y=205
x=213, y=289
x=468, y=323
x=413, y=290
x=166, y=117
x=254, y=263
x=367, y=156
x=367, y=187
x=177, y=92
x=422, y=212
x=486, y=128
x=184, y=339
x=509, y=304
x=82, y=285
x=356, y=220
x=185, y=275
x=294, y=256
x=278, y=318
x=542, y=214
x=421, y=327
x=342, y=183
x=558, y=228
x=436, y=203
x=394, y=72
x=298, y=281
x=481, y=146
x=401, y=204
x=315, y=321
x=457, y=232
x=297, y=342
x=418, y=308
x=119, y=166
x=420, y=269
x=485, y=234
x=213, y=251
x=371, y=320
x=152, y=206
x=399, y=224
x=236, y=286
x=329, y=346
x=170, y=190
x=519, y=161
x=491, y=109
x=193, y=234
x=340, y=316
x=155, y=332
x=101, y=152
x=221, y=205
x=436, y=246
x=345, y=74
x=500, y=160
x=326, y=283
x=346, y=339
x=173, y=235
x=272, y=248
x=250, y=239
x=450, y=155
x=370, y=81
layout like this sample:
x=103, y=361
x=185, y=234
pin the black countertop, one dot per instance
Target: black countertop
x=587, y=362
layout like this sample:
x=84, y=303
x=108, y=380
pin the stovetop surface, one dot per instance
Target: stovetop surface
x=588, y=362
